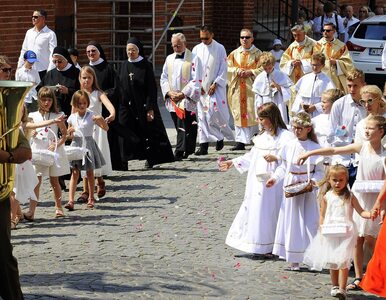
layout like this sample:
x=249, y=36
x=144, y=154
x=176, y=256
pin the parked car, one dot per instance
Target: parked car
x=366, y=46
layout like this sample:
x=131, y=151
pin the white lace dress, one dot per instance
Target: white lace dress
x=325, y=252
x=100, y=135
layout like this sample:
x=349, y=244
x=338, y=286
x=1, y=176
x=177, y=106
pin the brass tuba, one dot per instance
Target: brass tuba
x=12, y=95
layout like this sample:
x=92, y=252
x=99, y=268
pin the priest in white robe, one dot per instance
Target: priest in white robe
x=272, y=85
x=311, y=86
x=181, y=88
x=212, y=109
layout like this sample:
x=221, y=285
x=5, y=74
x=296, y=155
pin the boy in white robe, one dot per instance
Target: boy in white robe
x=272, y=85
x=310, y=87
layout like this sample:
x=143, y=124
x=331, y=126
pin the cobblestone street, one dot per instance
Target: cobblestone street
x=157, y=234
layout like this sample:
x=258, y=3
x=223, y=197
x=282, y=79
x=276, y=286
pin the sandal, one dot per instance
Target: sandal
x=59, y=212
x=101, y=189
x=29, y=217
x=69, y=205
x=82, y=198
x=91, y=203
x=354, y=285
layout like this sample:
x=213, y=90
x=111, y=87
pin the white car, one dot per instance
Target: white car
x=366, y=46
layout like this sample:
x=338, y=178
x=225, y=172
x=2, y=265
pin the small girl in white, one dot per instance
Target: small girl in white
x=333, y=252
x=83, y=120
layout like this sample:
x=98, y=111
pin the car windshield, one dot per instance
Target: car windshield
x=371, y=32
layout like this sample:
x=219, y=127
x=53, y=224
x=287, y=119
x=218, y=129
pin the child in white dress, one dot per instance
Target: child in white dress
x=88, y=82
x=336, y=207
x=299, y=215
x=322, y=124
x=253, y=229
x=371, y=168
x=83, y=120
x=48, y=117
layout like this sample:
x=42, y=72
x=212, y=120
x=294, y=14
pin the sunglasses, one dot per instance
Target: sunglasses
x=35, y=17
x=6, y=70
x=245, y=37
x=91, y=51
x=368, y=102
x=57, y=61
x=327, y=30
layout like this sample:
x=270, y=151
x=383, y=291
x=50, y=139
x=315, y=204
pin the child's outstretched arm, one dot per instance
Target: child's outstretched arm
x=110, y=107
x=32, y=125
x=360, y=210
x=352, y=148
x=100, y=121
x=225, y=165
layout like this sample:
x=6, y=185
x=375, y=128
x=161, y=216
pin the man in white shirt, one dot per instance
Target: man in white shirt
x=348, y=22
x=329, y=16
x=347, y=112
x=181, y=88
x=41, y=40
x=212, y=109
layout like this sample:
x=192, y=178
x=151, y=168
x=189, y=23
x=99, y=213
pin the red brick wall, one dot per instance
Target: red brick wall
x=16, y=20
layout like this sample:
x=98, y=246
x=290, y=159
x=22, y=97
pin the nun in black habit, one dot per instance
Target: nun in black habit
x=139, y=110
x=107, y=80
x=64, y=79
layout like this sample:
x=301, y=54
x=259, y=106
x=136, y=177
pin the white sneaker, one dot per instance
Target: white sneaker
x=341, y=294
x=334, y=290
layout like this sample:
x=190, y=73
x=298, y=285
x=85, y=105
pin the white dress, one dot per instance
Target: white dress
x=371, y=167
x=335, y=253
x=25, y=182
x=62, y=166
x=298, y=219
x=100, y=136
x=253, y=229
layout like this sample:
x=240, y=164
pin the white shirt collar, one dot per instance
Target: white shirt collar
x=139, y=58
x=94, y=63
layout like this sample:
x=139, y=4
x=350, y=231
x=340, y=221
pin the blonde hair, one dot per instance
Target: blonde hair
x=46, y=92
x=375, y=91
x=77, y=96
x=379, y=120
x=325, y=186
x=4, y=60
x=267, y=58
x=355, y=74
x=90, y=71
x=333, y=94
x=303, y=119
x=319, y=56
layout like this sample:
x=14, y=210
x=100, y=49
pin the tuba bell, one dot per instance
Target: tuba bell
x=12, y=95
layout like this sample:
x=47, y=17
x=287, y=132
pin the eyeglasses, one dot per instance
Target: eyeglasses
x=368, y=102
x=245, y=37
x=6, y=70
x=91, y=51
x=327, y=30
x=57, y=61
x=35, y=17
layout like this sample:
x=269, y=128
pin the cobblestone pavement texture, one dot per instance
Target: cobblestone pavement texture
x=157, y=234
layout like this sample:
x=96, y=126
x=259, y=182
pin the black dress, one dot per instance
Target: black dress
x=138, y=96
x=107, y=80
x=69, y=79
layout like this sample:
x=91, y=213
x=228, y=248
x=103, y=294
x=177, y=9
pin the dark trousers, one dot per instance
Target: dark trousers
x=42, y=74
x=9, y=273
x=186, y=132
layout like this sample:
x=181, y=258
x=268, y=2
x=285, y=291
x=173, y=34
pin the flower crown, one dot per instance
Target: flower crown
x=304, y=123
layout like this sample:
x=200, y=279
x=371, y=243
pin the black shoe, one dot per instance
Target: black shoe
x=239, y=146
x=186, y=155
x=178, y=155
x=203, y=150
x=219, y=145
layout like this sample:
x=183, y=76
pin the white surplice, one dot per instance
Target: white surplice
x=298, y=219
x=253, y=229
x=264, y=93
x=213, y=111
x=309, y=90
x=191, y=88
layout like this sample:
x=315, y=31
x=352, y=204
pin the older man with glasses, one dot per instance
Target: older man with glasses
x=5, y=68
x=41, y=40
x=338, y=59
x=243, y=67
